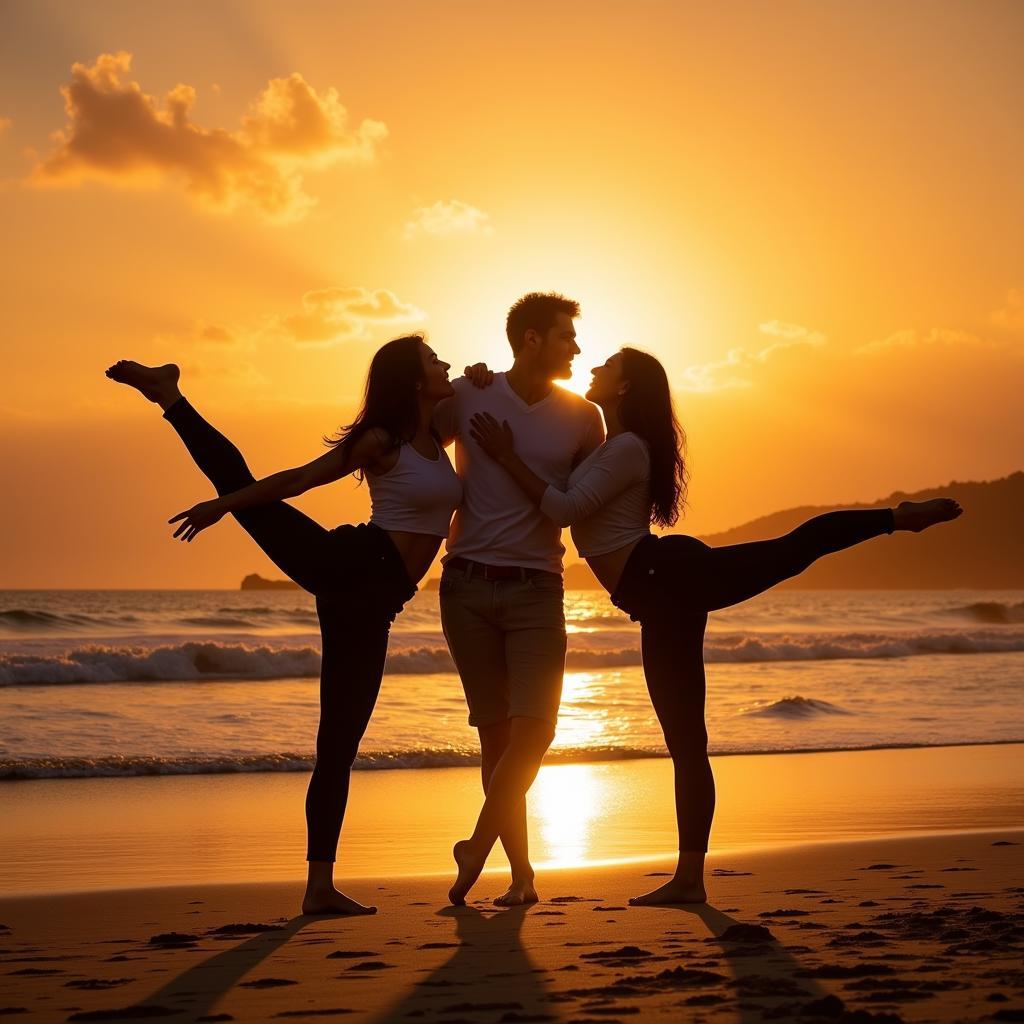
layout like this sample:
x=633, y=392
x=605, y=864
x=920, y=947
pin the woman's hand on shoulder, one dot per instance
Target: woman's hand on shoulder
x=495, y=438
x=479, y=376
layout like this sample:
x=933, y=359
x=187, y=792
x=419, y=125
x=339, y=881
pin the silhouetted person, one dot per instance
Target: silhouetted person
x=360, y=575
x=501, y=588
x=638, y=478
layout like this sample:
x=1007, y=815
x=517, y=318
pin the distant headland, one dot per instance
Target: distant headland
x=982, y=550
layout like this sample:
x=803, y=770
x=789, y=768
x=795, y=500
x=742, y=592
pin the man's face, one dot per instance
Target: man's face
x=558, y=346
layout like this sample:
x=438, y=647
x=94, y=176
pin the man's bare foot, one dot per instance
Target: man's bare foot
x=157, y=383
x=919, y=515
x=470, y=866
x=333, y=902
x=518, y=893
x=672, y=892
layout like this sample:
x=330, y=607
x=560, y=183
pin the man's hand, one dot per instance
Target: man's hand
x=495, y=438
x=479, y=375
x=197, y=518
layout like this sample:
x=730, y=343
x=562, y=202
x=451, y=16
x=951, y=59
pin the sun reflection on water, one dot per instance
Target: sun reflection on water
x=579, y=723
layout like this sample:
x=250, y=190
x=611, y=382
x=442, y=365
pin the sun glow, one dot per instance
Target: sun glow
x=566, y=801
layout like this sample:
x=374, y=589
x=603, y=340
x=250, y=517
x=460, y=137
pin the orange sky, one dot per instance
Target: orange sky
x=811, y=212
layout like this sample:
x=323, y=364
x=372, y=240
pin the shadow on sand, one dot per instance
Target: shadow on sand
x=196, y=991
x=489, y=950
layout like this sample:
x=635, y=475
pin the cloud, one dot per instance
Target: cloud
x=217, y=334
x=5, y=124
x=448, y=217
x=331, y=316
x=117, y=133
x=734, y=371
x=1010, y=317
x=945, y=336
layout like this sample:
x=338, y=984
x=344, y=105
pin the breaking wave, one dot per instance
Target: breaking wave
x=208, y=660
x=794, y=707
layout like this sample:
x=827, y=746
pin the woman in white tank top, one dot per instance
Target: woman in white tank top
x=360, y=575
x=669, y=583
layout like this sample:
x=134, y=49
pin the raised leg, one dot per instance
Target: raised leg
x=354, y=649
x=673, y=657
x=296, y=544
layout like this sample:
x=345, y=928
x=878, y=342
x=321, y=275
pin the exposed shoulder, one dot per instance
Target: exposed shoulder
x=377, y=441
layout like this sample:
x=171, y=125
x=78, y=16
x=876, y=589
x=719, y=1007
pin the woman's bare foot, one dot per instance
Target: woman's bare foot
x=919, y=515
x=333, y=902
x=157, y=383
x=672, y=892
x=520, y=892
x=470, y=865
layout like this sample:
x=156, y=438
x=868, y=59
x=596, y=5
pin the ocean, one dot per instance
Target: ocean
x=121, y=683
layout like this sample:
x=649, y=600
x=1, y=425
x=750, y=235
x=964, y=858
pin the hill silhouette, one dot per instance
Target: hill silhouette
x=984, y=549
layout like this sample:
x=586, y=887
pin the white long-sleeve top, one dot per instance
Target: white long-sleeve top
x=608, y=498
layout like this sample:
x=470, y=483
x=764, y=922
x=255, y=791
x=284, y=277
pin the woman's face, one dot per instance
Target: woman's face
x=435, y=382
x=606, y=381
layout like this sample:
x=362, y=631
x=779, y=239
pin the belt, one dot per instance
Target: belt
x=496, y=572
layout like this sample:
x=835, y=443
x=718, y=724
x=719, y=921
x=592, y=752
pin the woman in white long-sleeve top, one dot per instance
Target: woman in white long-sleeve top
x=637, y=478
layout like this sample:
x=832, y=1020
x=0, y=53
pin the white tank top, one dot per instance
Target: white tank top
x=416, y=495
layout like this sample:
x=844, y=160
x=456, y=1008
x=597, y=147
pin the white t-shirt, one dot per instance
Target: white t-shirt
x=496, y=522
x=608, y=499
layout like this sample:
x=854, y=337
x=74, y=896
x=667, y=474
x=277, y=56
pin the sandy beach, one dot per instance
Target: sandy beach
x=914, y=929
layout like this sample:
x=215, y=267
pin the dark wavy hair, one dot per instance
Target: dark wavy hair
x=646, y=409
x=389, y=399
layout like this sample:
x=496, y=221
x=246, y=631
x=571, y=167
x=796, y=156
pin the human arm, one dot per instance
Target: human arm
x=445, y=418
x=616, y=468
x=593, y=438
x=289, y=483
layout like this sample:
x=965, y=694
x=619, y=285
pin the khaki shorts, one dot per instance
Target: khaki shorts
x=507, y=638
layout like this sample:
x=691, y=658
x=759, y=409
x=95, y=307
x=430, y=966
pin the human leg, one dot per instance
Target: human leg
x=470, y=614
x=719, y=577
x=673, y=658
x=300, y=547
x=354, y=650
x=510, y=780
x=494, y=740
x=531, y=617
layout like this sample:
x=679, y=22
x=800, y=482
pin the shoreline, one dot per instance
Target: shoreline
x=164, y=830
x=368, y=761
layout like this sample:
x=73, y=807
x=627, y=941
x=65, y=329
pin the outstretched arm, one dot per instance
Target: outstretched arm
x=289, y=483
x=611, y=473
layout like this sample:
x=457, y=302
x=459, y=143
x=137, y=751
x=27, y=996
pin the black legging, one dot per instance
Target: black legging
x=670, y=584
x=354, y=630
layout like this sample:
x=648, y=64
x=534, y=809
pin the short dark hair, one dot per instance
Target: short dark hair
x=538, y=311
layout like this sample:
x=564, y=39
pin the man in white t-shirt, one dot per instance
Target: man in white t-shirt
x=501, y=588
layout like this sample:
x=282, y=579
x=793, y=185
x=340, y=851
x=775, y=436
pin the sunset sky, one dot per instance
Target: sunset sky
x=812, y=212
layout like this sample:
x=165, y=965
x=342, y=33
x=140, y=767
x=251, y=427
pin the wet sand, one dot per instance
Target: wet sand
x=79, y=834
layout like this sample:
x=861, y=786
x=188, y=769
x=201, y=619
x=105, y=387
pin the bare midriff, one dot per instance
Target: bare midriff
x=418, y=551
x=608, y=568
